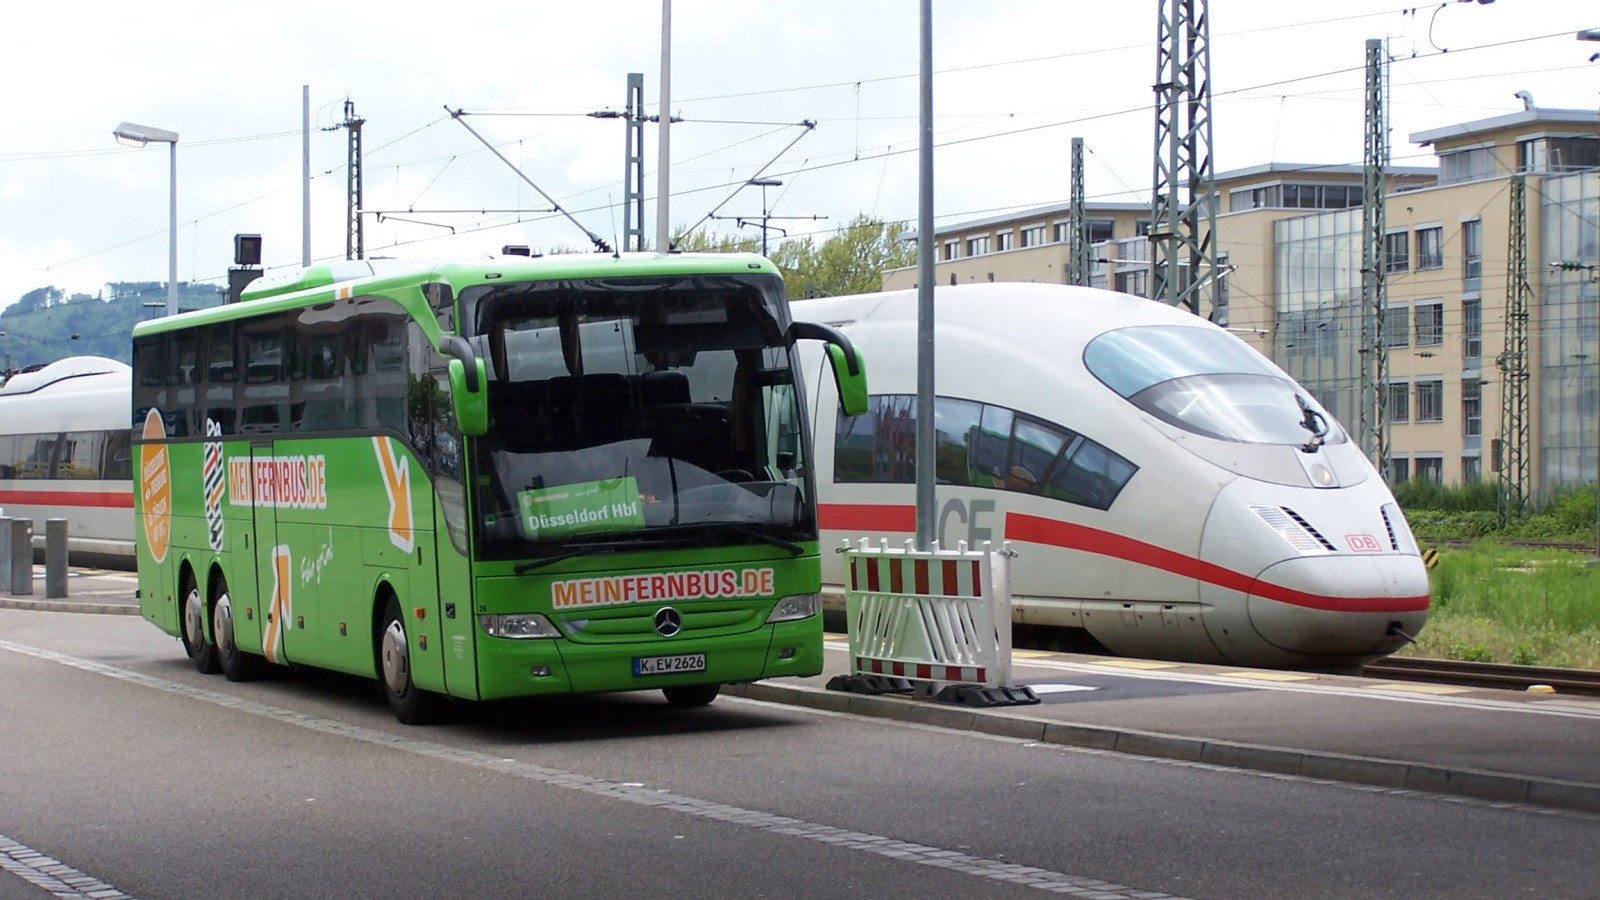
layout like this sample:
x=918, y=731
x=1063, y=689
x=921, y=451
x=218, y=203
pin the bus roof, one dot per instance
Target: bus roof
x=300, y=287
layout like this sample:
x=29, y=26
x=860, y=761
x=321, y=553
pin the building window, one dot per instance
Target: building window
x=1430, y=247
x=1472, y=328
x=1466, y=165
x=1471, y=469
x=1395, y=245
x=978, y=246
x=1430, y=468
x=1002, y=241
x=1396, y=326
x=952, y=249
x=1558, y=154
x=1430, y=400
x=1397, y=401
x=1430, y=323
x=1471, y=407
x=1399, y=469
x=1033, y=236
x=1472, y=254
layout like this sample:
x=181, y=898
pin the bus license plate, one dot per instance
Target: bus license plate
x=669, y=665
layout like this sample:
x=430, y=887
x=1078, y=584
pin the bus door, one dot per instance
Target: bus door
x=280, y=643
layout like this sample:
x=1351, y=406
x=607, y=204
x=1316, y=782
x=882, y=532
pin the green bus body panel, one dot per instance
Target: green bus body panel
x=310, y=535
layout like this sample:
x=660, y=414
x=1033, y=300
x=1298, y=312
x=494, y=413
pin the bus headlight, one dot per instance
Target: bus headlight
x=520, y=626
x=795, y=606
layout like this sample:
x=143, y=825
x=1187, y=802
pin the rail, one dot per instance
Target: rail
x=1585, y=682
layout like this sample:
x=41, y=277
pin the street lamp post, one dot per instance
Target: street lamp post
x=140, y=135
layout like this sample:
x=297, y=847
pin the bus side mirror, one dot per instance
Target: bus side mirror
x=849, y=370
x=471, y=406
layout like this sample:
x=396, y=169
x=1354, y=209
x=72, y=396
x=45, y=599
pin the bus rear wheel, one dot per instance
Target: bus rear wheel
x=236, y=664
x=692, y=695
x=410, y=704
x=202, y=651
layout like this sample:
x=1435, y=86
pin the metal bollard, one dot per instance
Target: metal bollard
x=55, y=558
x=5, y=552
x=21, y=541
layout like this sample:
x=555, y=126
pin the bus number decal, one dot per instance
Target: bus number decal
x=396, y=471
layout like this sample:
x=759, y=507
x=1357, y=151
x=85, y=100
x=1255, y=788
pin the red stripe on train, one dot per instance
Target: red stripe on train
x=1055, y=533
x=113, y=499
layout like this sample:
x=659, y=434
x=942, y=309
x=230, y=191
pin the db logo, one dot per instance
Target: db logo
x=1363, y=543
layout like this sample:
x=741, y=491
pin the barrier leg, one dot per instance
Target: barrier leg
x=21, y=541
x=55, y=558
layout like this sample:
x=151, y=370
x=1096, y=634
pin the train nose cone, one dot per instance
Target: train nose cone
x=1340, y=606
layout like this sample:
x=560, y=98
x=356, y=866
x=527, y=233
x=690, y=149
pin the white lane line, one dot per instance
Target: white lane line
x=878, y=845
x=60, y=879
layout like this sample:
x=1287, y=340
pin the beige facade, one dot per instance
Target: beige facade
x=1289, y=240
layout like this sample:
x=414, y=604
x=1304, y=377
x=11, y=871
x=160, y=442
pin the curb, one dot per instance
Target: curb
x=1478, y=784
x=71, y=606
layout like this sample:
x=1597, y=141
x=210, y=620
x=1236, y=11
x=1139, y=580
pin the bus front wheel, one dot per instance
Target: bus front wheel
x=411, y=704
x=691, y=695
x=202, y=651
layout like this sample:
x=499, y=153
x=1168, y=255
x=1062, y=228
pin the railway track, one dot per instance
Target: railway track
x=1585, y=682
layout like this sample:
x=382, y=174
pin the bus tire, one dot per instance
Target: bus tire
x=236, y=664
x=193, y=624
x=410, y=704
x=690, y=696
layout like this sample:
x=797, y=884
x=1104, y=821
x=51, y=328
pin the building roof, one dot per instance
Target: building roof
x=1509, y=120
x=1350, y=169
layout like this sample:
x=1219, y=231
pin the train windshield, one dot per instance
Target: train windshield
x=1208, y=382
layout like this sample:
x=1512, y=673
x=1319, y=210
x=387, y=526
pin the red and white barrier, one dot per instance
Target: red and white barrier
x=941, y=616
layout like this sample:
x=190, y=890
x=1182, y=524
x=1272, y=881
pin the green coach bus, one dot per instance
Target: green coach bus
x=487, y=479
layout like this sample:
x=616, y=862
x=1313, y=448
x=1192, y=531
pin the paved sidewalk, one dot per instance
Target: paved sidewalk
x=98, y=591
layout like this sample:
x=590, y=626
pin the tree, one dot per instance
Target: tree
x=852, y=261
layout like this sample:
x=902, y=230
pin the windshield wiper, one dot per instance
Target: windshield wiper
x=564, y=551
x=1314, y=422
x=735, y=527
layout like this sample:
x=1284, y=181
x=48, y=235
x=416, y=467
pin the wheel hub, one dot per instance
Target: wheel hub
x=396, y=660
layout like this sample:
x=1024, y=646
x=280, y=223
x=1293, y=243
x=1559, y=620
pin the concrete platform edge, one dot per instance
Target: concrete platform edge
x=71, y=606
x=1006, y=722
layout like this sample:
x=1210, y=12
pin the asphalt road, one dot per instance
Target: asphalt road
x=138, y=775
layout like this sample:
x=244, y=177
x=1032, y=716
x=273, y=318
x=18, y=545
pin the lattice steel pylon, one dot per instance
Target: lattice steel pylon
x=354, y=245
x=1513, y=362
x=1183, y=255
x=633, y=166
x=1372, y=421
x=1077, y=223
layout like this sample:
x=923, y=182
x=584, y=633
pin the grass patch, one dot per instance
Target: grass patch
x=1493, y=603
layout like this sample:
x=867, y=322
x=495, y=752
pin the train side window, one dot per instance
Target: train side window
x=987, y=453
x=955, y=423
x=8, y=457
x=880, y=445
x=117, y=463
x=1091, y=475
x=1034, y=446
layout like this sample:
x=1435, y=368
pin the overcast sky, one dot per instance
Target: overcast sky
x=1017, y=81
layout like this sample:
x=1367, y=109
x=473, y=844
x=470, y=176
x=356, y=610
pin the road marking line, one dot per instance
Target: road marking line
x=632, y=792
x=1272, y=676
x=1414, y=688
x=60, y=879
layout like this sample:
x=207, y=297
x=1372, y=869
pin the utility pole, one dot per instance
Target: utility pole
x=1513, y=363
x=353, y=244
x=305, y=175
x=1373, y=426
x=1183, y=230
x=1077, y=226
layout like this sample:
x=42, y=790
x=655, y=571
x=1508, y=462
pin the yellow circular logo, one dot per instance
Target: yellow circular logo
x=155, y=486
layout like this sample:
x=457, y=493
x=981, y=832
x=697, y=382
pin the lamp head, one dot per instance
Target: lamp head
x=140, y=135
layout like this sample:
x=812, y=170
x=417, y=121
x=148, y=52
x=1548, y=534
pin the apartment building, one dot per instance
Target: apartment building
x=1289, y=243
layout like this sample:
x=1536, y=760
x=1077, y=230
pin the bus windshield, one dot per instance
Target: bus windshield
x=1208, y=382
x=629, y=412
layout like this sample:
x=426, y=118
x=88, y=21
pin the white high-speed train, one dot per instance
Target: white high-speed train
x=1168, y=490
x=64, y=453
